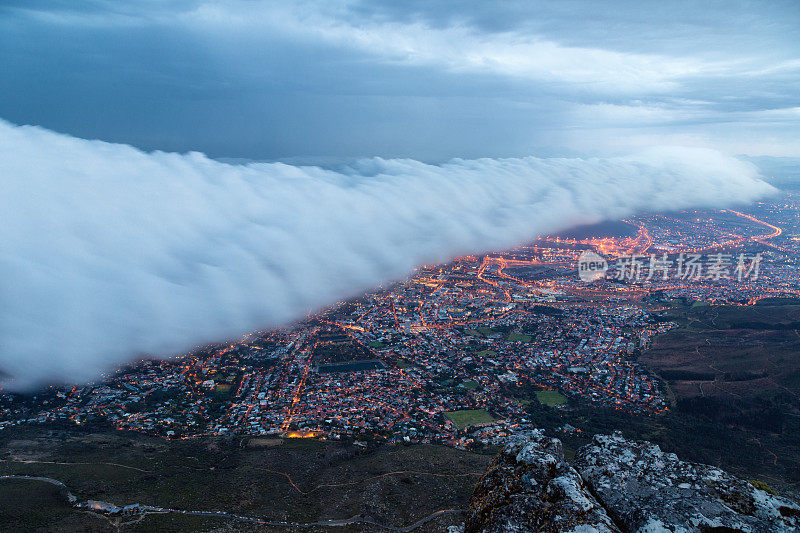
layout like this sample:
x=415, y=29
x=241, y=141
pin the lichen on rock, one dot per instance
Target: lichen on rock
x=615, y=485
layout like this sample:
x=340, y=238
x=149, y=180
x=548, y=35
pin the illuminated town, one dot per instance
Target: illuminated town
x=447, y=355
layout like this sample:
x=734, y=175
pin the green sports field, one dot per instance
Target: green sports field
x=550, y=397
x=472, y=417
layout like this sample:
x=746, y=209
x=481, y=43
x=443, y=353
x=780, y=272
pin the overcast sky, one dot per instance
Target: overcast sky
x=430, y=81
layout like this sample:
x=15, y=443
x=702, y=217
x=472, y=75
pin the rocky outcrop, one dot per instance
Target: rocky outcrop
x=645, y=489
x=529, y=487
x=615, y=484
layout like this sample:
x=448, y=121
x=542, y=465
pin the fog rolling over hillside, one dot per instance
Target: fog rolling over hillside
x=109, y=253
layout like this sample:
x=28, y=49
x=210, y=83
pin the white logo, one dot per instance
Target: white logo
x=591, y=266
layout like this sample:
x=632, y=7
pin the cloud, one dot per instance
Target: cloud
x=427, y=80
x=458, y=48
x=108, y=252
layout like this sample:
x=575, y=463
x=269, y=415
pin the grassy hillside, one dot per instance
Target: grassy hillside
x=396, y=485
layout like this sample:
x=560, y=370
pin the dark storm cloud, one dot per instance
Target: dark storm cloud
x=428, y=80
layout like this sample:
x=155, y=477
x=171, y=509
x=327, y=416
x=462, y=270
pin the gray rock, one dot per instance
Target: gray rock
x=529, y=487
x=617, y=485
x=645, y=489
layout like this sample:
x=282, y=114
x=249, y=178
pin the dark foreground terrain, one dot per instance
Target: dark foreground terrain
x=293, y=480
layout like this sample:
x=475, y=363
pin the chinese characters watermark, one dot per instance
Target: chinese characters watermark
x=684, y=267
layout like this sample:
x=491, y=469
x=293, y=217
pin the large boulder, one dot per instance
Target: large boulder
x=615, y=484
x=645, y=489
x=529, y=487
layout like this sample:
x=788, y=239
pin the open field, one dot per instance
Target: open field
x=731, y=352
x=463, y=419
x=300, y=480
x=551, y=398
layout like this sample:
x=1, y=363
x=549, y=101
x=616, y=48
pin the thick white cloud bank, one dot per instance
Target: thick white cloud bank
x=108, y=253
